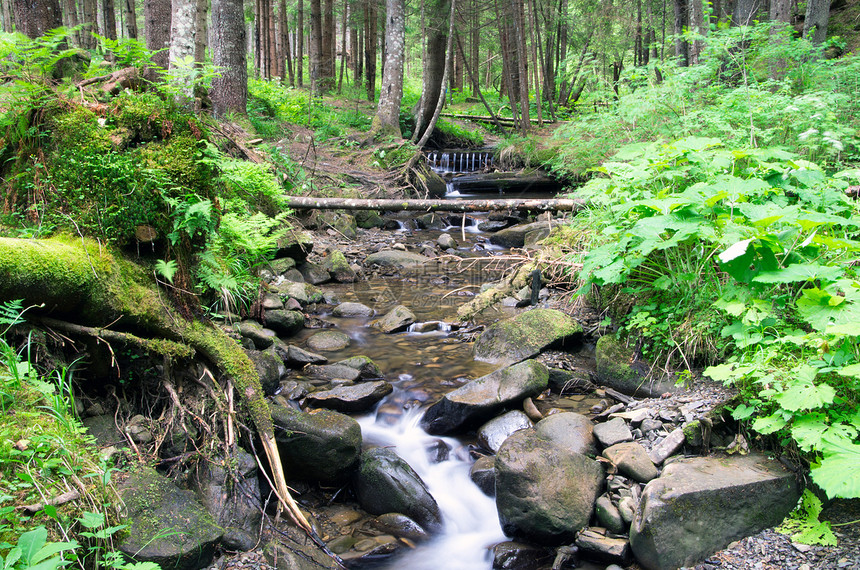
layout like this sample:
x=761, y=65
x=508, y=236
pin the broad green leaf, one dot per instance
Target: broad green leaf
x=695, y=143
x=52, y=549
x=769, y=424
x=743, y=412
x=808, y=430
x=91, y=520
x=847, y=329
x=800, y=272
x=803, y=394
x=804, y=525
x=852, y=174
x=724, y=372
x=31, y=542
x=852, y=371
x=735, y=251
x=833, y=474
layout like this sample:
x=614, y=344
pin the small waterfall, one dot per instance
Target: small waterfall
x=471, y=522
x=459, y=162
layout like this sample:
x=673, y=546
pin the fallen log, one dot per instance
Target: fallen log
x=519, y=204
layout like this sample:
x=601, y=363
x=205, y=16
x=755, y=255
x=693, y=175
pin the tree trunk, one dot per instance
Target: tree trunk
x=682, y=48
x=285, y=43
x=230, y=88
x=315, y=49
x=343, y=52
x=370, y=48
x=815, y=23
x=131, y=19
x=300, y=42
x=434, y=63
x=273, y=53
x=71, y=20
x=697, y=26
x=537, y=205
x=34, y=18
x=386, y=123
x=327, y=43
x=156, y=15
x=440, y=102
x=109, y=14
x=746, y=11
x=7, y=15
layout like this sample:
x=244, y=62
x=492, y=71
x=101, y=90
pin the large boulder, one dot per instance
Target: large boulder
x=699, y=505
x=166, y=525
x=397, y=319
x=351, y=399
x=385, y=483
x=474, y=403
x=285, y=323
x=338, y=266
x=321, y=445
x=352, y=309
x=304, y=293
x=328, y=341
x=314, y=273
x=396, y=259
x=569, y=431
x=261, y=337
x=544, y=493
x=515, y=236
x=618, y=368
x=526, y=335
x=296, y=245
x=270, y=369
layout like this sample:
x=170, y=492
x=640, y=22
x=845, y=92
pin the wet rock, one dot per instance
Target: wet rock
x=570, y=431
x=432, y=222
x=716, y=500
x=608, y=515
x=138, y=430
x=494, y=225
x=627, y=509
x=438, y=451
x=351, y=309
x=385, y=483
x=269, y=367
x=331, y=372
x=612, y=432
x=632, y=460
x=166, y=525
x=367, y=368
x=351, y=399
x=293, y=275
x=320, y=445
x=397, y=319
x=281, y=265
x=618, y=368
x=271, y=302
x=304, y=293
x=367, y=219
x=400, y=525
x=569, y=381
x=668, y=446
x=512, y=555
x=483, y=474
x=337, y=265
x=476, y=402
x=396, y=259
x=445, y=241
x=596, y=546
x=650, y=425
x=285, y=323
x=296, y=245
x=297, y=555
x=534, y=236
x=345, y=225
x=531, y=410
x=262, y=338
x=526, y=335
x=543, y=493
x=328, y=341
x=492, y=434
x=515, y=236
x=567, y=557
x=313, y=273
x=296, y=356
x=230, y=491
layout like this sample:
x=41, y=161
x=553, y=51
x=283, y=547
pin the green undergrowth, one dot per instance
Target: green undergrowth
x=743, y=259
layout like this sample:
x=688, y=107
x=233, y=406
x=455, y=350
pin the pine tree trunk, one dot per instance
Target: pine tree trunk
x=109, y=14
x=33, y=18
x=682, y=48
x=697, y=26
x=300, y=42
x=315, y=48
x=387, y=120
x=287, y=61
x=815, y=23
x=201, y=38
x=183, y=31
x=130, y=19
x=343, y=52
x=6, y=6
x=328, y=51
x=272, y=44
x=370, y=27
x=747, y=10
x=70, y=20
x=156, y=15
x=230, y=88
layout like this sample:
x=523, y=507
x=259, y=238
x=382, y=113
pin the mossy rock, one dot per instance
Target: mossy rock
x=367, y=219
x=526, y=335
x=166, y=525
x=338, y=266
x=617, y=367
x=295, y=244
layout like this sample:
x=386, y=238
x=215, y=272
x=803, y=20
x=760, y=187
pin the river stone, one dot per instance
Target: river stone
x=166, y=525
x=511, y=555
x=285, y=323
x=526, y=335
x=632, y=461
x=608, y=515
x=331, y=372
x=492, y=434
x=269, y=367
x=493, y=225
x=345, y=225
x=328, y=341
x=304, y=293
x=570, y=431
x=281, y=265
x=338, y=266
x=700, y=505
x=432, y=222
x=667, y=446
x=445, y=241
x=296, y=245
x=351, y=309
x=262, y=338
x=271, y=302
x=618, y=368
x=314, y=273
x=297, y=554
x=300, y=357
x=229, y=488
x=544, y=493
x=293, y=275
x=474, y=403
x=612, y=432
x=320, y=445
x=385, y=483
x=351, y=399
x=483, y=474
x=515, y=236
x=396, y=259
x=399, y=525
x=367, y=219
x=570, y=381
x=597, y=546
x=396, y=320
x=534, y=236
x=367, y=368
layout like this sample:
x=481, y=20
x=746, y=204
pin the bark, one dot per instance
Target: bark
x=272, y=41
x=387, y=120
x=370, y=27
x=343, y=52
x=328, y=51
x=7, y=15
x=815, y=23
x=183, y=31
x=201, y=39
x=746, y=11
x=71, y=20
x=434, y=62
x=230, y=88
x=315, y=49
x=682, y=48
x=109, y=15
x=287, y=60
x=697, y=26
x=440, y=102
x=300, y=42
x=310, y=203
x=156, y=15
x=34, y=18
x=780, y=11
x=130, y=17
x=477, y=91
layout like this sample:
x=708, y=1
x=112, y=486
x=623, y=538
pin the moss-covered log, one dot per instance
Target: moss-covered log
x=82, y=280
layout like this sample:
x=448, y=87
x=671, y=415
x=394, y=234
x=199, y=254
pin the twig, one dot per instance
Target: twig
x=61, y=499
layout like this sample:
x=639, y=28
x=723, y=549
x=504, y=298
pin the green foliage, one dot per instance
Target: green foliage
x=804, y=525
x=465, y=138
x=35, y=552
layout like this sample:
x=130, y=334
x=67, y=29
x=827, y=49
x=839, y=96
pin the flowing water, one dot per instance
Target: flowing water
x=423, y=366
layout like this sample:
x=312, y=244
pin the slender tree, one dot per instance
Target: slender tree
x=682, y=48
x=156, y=15
x=386, y=123
x=130, y=17
x=318, y=84
x=109, y=19
x=300, y=42
x=230, y=87
x=89, y=9
x=745, y=12
x=434, y=63
x=370, y=26
x=183, y=31
x=697, y=26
